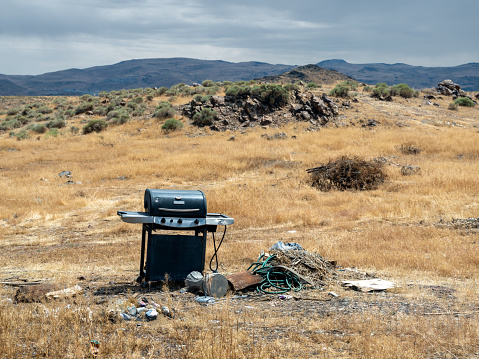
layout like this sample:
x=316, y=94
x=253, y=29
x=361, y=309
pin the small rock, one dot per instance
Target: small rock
x=66, y=174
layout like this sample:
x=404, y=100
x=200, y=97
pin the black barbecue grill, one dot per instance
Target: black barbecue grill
x=174, y=255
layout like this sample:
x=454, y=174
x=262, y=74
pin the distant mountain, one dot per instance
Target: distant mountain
x=135, y=74
x=466, y=76
x=171, y=71
x=308, y=73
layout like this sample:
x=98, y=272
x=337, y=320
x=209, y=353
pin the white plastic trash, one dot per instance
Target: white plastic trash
x=286, y=246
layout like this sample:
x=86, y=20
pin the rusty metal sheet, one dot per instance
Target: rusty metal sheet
x=242, y=280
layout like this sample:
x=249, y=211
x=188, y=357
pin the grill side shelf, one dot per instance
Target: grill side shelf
x=218, y=219
x=135, y=217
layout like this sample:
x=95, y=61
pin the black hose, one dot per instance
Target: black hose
x=215, y=254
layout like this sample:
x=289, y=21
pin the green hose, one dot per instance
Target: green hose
x=276, y=280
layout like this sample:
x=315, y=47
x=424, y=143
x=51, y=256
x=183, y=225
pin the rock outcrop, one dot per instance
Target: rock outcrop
x=235, y=112
x=449, y=88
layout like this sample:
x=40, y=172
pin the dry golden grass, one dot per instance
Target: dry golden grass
x=53, y=231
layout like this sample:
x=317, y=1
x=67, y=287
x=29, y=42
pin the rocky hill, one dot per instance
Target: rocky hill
x=418, y=77
x=308, y=73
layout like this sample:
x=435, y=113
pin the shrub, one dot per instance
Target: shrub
x=161, y=91
x=69, y=113
x=340, y=91
x=10, y=124
x=464, y=101
x=353, y=85
x=312, y=85
x=207, y=83
x=402, y=90
x=100, y=110
x=22, y=135
x=213, y=90
x=172, y=125
x=95, y=126
x=380, y=90
x=13, y=111
x=39, y=128
x=164, y=110
x=74, y=130
x=57, y=123
x=52, y=133
x=234, y=90
x=274, y=95
x=84, y=107
x=44, y=110
x=87, y=98
x=291, y=87
x=118, y=117
x=204, y=118
x=348, y=173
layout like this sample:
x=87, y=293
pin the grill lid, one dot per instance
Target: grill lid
x=175, y=203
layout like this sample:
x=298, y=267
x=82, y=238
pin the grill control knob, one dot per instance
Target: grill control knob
x=171, y=220
x=163, y=220
x=180, y=221
x=197, y=221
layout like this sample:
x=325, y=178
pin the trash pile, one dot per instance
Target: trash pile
x=310, y=265
x=144, y=310
x=287, y=268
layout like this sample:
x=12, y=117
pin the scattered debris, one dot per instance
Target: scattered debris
x=205, y=300
x=66, y=174
x=410, y=150
x=214, y=284
x=460, y=223
x=276, y=136
x=369, y=285
x=94, y=348
x=285, y=246
x=34, y=293
x=409, y=170
x=64, y=293
x=151, y=314
x=348, y=173
x=243, y=280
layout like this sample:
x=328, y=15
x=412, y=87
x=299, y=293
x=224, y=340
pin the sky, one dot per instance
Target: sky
x=39, y=36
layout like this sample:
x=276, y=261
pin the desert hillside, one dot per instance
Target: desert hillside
x=248, y=146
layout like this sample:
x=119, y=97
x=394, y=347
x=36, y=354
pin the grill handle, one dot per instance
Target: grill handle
x=180, y=210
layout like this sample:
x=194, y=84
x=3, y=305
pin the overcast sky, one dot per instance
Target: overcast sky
x=38, y=36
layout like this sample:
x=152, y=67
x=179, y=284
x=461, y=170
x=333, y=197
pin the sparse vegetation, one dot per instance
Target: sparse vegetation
x=205, y=117
x=452, y=106
x=172, y=125
x=95, y=126
x=464, y=101
x=340, y=91
x=164, y=110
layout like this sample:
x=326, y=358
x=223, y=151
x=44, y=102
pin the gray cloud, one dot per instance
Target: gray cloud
x=37, y=37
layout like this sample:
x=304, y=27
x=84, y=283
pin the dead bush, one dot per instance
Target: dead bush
x=348, y=173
